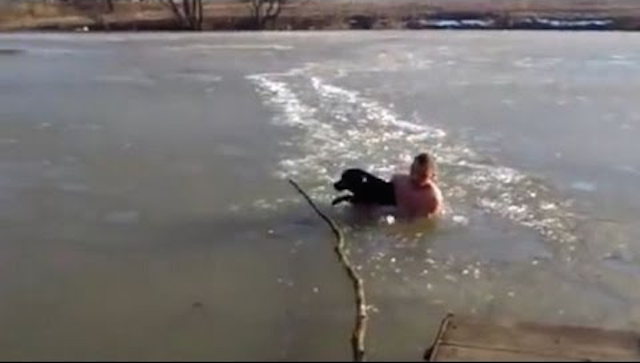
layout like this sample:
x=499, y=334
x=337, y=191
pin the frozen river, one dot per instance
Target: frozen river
x=146, y=215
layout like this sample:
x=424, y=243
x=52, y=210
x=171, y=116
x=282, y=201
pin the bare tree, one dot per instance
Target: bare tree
x=94, y=10
x=90, y=5
x=264, y=11
x=109, y=4
x=190, y=14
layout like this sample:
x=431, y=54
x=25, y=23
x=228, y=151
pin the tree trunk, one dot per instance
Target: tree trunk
x=188, y=14
x=176, y=12
x=255, y=6
x=265, y=11
x=191, y=15
x=272, y=13
x=110, y=5
x=200, y=14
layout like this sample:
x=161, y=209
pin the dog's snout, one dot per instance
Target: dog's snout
x=339, y=185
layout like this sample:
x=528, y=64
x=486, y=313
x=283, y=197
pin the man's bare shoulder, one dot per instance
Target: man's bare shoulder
x=399, y=177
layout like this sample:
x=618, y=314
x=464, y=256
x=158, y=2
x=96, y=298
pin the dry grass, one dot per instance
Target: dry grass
x=306, y=14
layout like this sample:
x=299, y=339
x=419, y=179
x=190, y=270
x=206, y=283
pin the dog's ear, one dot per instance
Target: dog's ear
x=344, y=198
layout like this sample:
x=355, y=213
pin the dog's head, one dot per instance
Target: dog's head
x=351, y=179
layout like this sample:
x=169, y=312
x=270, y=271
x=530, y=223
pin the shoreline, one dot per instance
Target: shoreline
x=318, y=15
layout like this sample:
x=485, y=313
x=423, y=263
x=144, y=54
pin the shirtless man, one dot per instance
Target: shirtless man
x=417, y=194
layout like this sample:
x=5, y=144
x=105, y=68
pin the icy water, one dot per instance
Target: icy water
x=145, y=212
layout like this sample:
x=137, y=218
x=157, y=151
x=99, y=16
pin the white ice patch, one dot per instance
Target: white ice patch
x=584, y=186
x=52, y=52
x=123, y=217
x=128, y=79
x=215, y=47
x=194, y=77
x=8, y=141
x=74, y=187
x=628, y=169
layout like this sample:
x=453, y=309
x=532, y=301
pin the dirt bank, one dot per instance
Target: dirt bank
x=328, y=14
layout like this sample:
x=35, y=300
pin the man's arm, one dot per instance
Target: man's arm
x=437, y=196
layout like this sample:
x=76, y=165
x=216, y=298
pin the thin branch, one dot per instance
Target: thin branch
x=190, y=15
x=255, y=6
x=200, y=14
x=185, y=8
x=272, y=12
x=264, y=11
x=360, y=329
x=271, y=3
x=175, y=10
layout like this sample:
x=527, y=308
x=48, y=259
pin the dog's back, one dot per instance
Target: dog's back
x=366, y=188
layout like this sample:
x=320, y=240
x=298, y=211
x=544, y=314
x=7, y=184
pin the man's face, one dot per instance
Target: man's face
x=420, y=173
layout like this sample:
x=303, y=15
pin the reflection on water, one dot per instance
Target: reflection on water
x=146, y=214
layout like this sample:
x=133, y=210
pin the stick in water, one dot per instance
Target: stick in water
x=359, y=331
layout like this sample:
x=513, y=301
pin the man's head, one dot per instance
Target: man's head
x=423, y=169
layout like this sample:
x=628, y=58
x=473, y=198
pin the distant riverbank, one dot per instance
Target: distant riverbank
x=331, y=15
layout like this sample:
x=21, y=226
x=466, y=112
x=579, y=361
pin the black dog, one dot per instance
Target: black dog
x=365, y=189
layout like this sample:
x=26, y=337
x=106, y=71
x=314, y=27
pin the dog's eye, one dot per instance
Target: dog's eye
x=365, y=179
